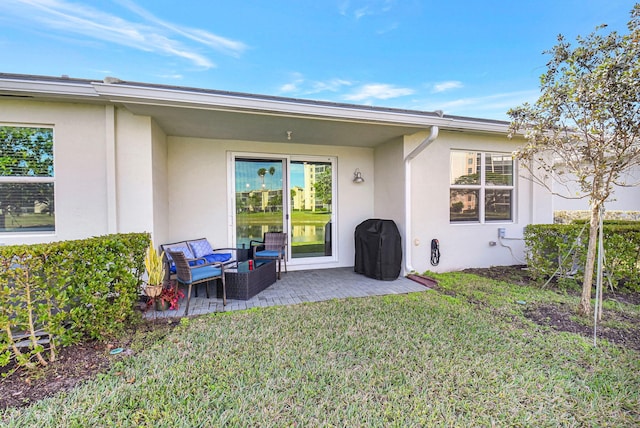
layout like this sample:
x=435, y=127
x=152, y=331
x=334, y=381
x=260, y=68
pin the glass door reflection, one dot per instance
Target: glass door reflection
x=311, y=192
x=259, y=203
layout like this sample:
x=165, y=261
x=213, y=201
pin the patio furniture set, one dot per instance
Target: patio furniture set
x=238, y=273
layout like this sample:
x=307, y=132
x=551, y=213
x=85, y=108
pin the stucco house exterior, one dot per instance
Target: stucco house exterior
x=185, y=163
x=624, y=198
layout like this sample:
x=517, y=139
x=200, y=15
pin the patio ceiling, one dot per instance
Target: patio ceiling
x=269, y=127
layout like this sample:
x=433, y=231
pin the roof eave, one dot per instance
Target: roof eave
x=122, y=92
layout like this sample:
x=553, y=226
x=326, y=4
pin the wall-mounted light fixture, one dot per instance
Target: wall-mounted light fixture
x=357, y=176
x=289, y=134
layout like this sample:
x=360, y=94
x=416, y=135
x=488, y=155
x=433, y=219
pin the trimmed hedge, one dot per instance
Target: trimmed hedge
x=553, y=247
x=67, y=291
x=612, y=222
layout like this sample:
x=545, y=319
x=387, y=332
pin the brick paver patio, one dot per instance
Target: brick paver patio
x=298, y=287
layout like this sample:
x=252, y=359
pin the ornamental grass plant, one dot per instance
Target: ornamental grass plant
x=465, y=356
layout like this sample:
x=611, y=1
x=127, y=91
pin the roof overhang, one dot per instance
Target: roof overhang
x=201, y=113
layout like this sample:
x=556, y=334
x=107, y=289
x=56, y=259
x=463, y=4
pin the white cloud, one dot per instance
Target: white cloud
x=333, y=85
x=380, y=91
x=300, y=86
x=363, y=11
x=506, y=100
x=445, y=86
x=150, y=35
x=361, y=8
x=293, y=86
x=494, y=106
x=289, y=87
x=343, y=7
x=172, y=76
x=389, y=28
x=206, y=38
x=334, y=89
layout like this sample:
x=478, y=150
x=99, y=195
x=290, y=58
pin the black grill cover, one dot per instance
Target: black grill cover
x=378, y=249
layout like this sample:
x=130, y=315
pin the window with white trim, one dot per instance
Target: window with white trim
x=481, y=187
x=26, y=179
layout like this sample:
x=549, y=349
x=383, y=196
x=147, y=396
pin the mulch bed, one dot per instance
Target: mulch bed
x=84, y=361
x=74, y=364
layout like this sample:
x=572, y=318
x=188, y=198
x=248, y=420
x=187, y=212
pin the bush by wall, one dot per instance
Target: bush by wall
x=562, y=248
x=66, y=291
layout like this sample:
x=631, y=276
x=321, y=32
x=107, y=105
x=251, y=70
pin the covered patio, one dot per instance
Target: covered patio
x=298, y=287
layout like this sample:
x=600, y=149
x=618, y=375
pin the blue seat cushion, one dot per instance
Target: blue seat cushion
x=172, y=266
x=217, y=257
x=204, y=272
x=268, y=253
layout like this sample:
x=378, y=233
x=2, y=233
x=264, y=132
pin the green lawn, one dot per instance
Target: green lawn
x=29, y=220
x=424, y=359
x=297, y=217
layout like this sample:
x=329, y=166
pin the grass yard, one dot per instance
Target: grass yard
x=297, y=217
x=466, y=356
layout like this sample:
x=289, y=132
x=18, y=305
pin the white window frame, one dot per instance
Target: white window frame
x=482, y=188
x=27, y=179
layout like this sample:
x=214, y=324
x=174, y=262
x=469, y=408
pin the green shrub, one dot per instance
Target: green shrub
x=562, y=249
x=69, y=290
x=610, y=222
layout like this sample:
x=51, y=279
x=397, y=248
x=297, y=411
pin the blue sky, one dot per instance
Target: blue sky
x=469, y=58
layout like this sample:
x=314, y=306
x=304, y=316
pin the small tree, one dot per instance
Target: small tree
x=585, y=125
x=272, y=170
x=322, y=186
x=262, y=172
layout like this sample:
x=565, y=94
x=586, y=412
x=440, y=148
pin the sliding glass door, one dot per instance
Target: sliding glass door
x=311, y=208
x=289, y=193
x=259, y=204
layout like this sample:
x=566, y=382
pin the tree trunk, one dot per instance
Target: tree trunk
x=587, y=283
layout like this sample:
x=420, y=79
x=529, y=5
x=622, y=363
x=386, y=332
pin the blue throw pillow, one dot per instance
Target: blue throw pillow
x=201, y=247
x=217, y=257
x=179, y=247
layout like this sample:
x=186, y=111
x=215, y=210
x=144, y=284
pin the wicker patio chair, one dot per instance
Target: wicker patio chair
x=191, y=275
x=272, y=247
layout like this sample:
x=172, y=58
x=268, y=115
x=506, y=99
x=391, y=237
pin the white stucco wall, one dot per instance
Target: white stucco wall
x=97, y=148
x=390, y=185
x=389, y=175
x=468, y=244
x=177, y=187
x=623, y=198
x=160, y=185
x=199, y=197
x=79, y=166
x=134, y=172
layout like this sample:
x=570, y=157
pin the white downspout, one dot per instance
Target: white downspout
x=407, y=195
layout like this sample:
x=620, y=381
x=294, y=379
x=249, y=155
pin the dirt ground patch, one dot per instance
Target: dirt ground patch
x=561, y=318
x=564, y=318
x=82, y=362
x=74, y=364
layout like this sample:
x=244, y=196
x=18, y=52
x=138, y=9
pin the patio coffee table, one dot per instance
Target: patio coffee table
x=243, y=284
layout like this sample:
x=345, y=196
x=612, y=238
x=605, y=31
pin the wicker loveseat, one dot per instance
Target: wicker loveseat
x=197, y=252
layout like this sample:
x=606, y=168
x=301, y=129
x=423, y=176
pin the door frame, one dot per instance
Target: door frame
x=286, y=186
